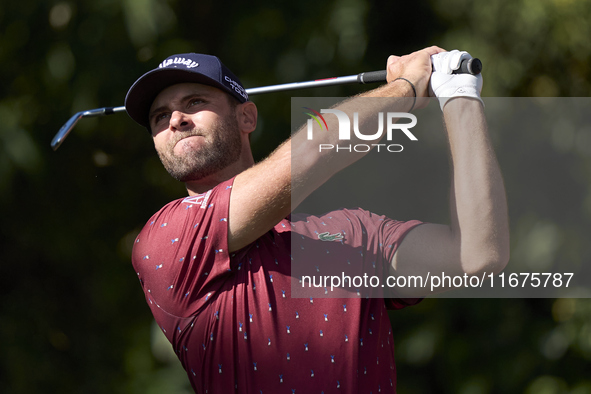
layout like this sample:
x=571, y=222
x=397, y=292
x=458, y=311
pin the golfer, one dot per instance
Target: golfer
x=215, y=266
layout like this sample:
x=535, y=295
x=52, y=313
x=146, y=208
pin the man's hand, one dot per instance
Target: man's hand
x=444, y=85
x=415, y=67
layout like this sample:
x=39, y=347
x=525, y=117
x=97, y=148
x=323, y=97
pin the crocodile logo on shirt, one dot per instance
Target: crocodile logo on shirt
x=330, y=237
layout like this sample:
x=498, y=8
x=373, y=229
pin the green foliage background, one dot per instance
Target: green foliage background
x=72, y=315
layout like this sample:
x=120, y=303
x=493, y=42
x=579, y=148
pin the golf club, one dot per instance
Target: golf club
x=470, y=66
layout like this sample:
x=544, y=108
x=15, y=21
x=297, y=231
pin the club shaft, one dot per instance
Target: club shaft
x=375, y=76
x=378, y=76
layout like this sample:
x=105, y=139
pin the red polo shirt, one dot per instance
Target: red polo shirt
x=232, y=319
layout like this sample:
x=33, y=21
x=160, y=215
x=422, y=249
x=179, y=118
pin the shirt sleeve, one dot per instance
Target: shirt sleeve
x=392, y=233
x=181, y=254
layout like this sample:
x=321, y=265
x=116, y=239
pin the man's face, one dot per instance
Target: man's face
x=195, y=130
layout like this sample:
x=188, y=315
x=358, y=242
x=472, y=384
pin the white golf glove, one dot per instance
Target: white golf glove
x=444, y=85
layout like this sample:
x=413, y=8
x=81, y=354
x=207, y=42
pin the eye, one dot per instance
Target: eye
x=195, y=102
x=157, y=118
x=160, y=116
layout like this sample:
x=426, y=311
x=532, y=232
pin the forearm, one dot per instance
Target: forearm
x=312, y=166
x=478, y=202
x=278, y=184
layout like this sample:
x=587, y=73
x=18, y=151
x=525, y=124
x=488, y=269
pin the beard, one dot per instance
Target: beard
x=221, y=149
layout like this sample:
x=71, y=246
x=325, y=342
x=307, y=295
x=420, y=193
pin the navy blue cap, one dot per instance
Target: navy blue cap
x=185, y=67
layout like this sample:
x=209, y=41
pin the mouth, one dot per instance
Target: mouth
x=185, y=141
x=185, y=137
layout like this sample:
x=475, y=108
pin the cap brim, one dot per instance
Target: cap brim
x=141, y=95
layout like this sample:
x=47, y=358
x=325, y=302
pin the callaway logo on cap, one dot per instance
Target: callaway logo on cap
x=186, y=67
x=178, y=60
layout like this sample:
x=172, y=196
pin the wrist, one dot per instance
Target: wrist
x=447, y=86
x=460, y=102
x=411, y=90
x=456, y=108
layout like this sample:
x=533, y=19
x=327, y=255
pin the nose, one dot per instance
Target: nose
x=180, y=121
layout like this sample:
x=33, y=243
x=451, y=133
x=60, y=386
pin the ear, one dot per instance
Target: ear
x=246, y=114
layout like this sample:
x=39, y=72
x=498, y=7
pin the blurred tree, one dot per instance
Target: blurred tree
x=72, y=314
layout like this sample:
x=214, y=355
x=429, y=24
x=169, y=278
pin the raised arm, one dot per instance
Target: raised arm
x=267, y=192
x=477, y=239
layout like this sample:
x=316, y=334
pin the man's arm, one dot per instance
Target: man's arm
x=477, y=240
x=266, y=193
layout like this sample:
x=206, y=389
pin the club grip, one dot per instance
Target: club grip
x=469, y=66
x=372, y=77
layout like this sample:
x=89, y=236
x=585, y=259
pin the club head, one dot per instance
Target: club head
x=65, y=130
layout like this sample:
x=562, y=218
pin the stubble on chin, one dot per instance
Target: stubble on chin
x=221, y=149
